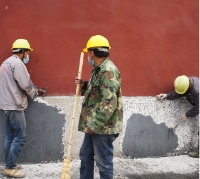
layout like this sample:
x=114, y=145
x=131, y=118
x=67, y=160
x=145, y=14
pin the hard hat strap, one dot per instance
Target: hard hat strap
x=23, y=52
x=103, y=49
x=16, y=50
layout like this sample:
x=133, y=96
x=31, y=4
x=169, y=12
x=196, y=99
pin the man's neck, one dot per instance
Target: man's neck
x=19, y=55
x=98, y=61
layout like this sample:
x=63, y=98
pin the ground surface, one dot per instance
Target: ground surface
x=177, y=167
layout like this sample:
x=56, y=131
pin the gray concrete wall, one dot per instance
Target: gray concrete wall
x=150, y=128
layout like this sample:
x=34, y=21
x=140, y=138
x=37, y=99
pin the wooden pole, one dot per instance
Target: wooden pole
x=66, y=164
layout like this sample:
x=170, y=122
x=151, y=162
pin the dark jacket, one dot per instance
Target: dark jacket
x=192, y=95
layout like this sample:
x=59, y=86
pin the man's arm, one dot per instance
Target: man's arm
x=173, y=95
x=22, y=77
x=84, y=87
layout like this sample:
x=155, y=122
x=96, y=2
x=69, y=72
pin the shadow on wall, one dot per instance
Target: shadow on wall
x=144, y=138
x=45, y=127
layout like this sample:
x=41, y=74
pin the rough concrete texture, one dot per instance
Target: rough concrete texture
x=177, y=167
x=45, y=127
x=164, y=114
x=140, y=113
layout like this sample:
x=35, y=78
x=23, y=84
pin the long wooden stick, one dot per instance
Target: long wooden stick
x=66, y=164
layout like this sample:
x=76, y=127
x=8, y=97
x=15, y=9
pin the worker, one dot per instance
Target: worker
x=101, y=115
x=186, y=87
x=15, y=86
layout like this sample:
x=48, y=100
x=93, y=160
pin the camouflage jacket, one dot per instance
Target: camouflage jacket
x=102, y=109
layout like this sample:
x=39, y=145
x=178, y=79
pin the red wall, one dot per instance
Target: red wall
x=153, y=41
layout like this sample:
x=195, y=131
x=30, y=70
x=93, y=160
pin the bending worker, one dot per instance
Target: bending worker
x=186, y=87
x=15, y=86
x=101, y=114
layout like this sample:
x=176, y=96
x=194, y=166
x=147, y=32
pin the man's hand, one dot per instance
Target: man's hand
x=90, y=131
x=79, y=81
x=161, y=96
x=43, y=91
x=183, y=118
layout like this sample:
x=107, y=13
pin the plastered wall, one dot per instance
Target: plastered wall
x=150, y=128
x=152, y=41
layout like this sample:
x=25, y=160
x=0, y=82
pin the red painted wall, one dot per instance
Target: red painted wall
x=153, y=41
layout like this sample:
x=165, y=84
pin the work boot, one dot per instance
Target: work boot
x=194, y=154
x=14, y=173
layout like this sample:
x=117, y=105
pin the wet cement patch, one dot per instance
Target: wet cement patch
x=44, y=134
x=144, y=138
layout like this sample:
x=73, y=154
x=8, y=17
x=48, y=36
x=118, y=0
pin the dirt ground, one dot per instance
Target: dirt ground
x=177, y=167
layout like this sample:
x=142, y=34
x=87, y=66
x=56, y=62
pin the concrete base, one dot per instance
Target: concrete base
x=178, y=167
x=150, y=128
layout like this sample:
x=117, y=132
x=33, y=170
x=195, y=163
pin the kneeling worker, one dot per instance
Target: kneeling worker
x=186, y=87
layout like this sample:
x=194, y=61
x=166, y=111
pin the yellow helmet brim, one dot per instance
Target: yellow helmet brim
x=85, y=50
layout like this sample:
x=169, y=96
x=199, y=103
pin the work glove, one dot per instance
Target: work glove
x=161, y=96
x=183, y=118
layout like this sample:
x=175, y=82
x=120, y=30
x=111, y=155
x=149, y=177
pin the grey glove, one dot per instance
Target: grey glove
x=161, y=96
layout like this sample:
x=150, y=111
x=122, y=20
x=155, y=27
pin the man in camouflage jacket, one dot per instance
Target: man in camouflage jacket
x=101, y=115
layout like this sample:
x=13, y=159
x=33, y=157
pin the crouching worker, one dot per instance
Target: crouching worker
x=15, y=86
x=186, y=87
x=101, y=115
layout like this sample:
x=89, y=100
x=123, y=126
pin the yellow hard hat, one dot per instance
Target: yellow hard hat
x=97, y=41
x=181, y=84
x=21, y=43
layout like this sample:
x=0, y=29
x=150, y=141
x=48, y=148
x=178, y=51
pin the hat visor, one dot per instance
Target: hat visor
x=28, y=49
x=181, y=92
x=85, y=50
